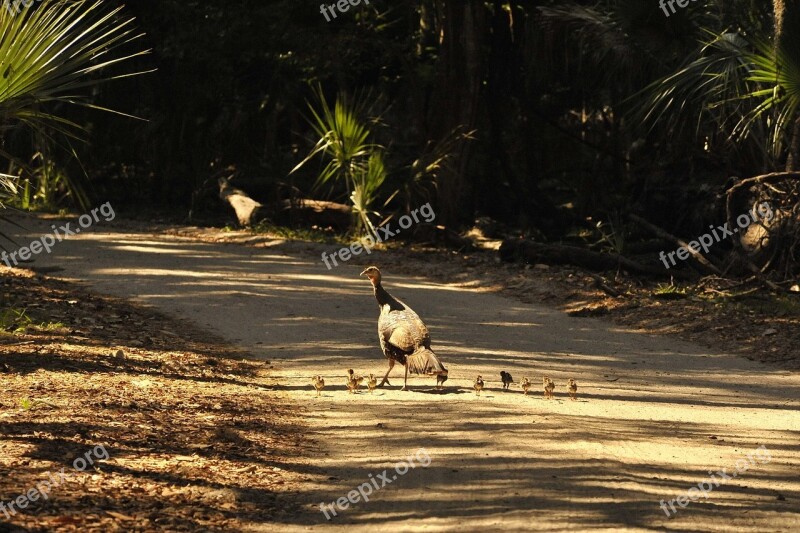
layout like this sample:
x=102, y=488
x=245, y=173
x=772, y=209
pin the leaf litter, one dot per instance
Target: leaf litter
x=196, y=439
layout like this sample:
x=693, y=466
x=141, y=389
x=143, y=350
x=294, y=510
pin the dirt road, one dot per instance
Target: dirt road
x=654, y=415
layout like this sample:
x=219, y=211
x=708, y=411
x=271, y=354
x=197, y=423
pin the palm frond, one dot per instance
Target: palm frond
x=703, y=93
x=51, y=52
x=775, y=78
x=8, y=187
x=365, y=192
x=742, y=89
x=434, y=159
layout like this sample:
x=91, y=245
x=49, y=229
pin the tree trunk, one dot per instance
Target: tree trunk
x=786, y=11
x=461, y=32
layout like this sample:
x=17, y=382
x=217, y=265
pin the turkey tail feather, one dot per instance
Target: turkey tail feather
x=424, y=361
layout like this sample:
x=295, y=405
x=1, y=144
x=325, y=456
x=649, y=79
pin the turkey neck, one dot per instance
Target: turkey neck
x=381, y=295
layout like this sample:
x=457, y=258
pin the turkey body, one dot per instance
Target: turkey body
x=403, y=336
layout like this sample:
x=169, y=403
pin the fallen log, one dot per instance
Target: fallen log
x=317, y=212
x=708, y=265
x=247, y=209
x=436, y=234
x=535, y=252
x=601, y=284
x=289, y=212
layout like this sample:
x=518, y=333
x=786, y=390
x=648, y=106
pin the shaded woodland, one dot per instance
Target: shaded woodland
x=214, y=327
x=606, y=125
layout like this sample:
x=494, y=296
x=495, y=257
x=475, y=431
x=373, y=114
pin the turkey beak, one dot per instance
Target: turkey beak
x=363, y=273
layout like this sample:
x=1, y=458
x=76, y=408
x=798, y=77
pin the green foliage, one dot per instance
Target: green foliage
x=613, y=233
x=734, y=89
x=774, y=78
x=45, y=185
x=434, y=159
x=52, y=55
x=28, y=404
x=670, y=291
x=364, y=195
x=705, y=99
x=14, y=320
x=556, y=80
x=8, y=188
x=296, y=234
x=8, y=193
x=343, y=138
x=353, y=160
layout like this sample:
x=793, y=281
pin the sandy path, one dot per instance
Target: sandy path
x=641, y=431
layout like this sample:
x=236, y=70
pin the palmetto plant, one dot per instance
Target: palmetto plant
x=52, y=53
x=344, y=140
x=615, y=47
x=739, y=91
x=775, y=77
x=425, y=169
x=8, y=191
x=8, y=187
x=364, y=194
x=744, y=88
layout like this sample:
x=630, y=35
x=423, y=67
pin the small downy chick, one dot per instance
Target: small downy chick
x=572, y=387
x=478, y=385
x=526, y=385
x=549, y=386
x=319, y=383
x=440, y=379
x=506, y=378
x=372, y=382
x=353, y=381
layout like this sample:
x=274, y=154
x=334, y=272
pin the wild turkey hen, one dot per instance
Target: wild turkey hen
x=403, y=336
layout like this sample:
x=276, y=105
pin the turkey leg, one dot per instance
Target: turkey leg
x=386, y=377
x=405, y=381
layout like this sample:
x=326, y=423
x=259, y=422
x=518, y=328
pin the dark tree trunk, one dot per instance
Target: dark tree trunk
x=506, y=91
x=786, y=16
x=461, y=67
x=502, y=79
